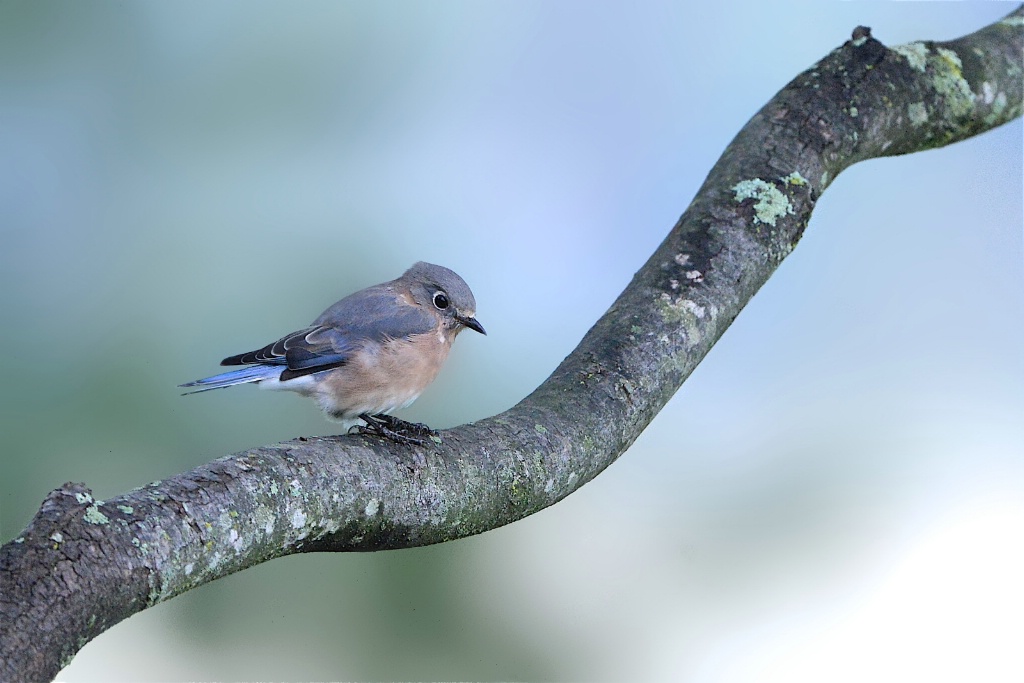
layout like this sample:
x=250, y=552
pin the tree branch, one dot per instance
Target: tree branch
x=82, y=565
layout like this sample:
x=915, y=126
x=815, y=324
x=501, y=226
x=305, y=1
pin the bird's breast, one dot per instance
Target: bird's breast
x=384, y=377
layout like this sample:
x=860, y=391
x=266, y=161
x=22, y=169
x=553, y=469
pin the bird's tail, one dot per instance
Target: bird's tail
x=250, y=373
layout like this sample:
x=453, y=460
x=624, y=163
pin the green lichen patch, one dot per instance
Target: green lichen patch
x=952, y=57
x=917, y=113
x=794, y=178
x=916, y=55
x=142, y=546
x=94, y=516
x=263, y=518
x=769, y=205
x=948, y=80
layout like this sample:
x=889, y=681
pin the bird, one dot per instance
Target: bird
x=371, y=353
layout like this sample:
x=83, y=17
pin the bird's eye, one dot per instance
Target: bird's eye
x=441, y=300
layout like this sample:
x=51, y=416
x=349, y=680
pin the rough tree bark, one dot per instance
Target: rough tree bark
x=82, y=565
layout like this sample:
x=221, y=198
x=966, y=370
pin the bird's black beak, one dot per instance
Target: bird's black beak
x=471, y=323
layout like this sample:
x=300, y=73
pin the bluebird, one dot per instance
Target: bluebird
x=369, y=354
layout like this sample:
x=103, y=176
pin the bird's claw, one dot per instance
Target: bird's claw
x=396, y=429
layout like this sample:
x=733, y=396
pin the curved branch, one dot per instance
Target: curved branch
x=82, y=565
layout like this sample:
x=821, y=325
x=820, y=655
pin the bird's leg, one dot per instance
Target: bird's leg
x=395, y=429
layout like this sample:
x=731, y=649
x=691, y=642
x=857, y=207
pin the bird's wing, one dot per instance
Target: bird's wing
x=366, y=318
x=313, y=349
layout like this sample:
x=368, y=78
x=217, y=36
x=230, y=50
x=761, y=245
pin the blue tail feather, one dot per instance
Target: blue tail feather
x=250, y=373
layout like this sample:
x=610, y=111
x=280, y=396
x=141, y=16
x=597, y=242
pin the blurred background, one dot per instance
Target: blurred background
x=837, y=493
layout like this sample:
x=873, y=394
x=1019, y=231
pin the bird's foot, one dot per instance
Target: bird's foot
x=396, y=429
